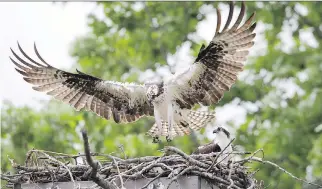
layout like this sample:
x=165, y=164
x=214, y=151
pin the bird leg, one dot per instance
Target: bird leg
x=170, y=122
x=158, y=121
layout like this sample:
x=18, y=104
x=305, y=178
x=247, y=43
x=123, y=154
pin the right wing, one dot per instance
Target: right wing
x=216, y=68
x=123, y=101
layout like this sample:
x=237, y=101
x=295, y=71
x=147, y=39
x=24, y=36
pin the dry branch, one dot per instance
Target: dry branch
x=95, y=176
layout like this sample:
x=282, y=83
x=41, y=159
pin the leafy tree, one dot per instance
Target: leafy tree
x=284, y=124
x=281, y=90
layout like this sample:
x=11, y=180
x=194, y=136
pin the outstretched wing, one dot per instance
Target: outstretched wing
x=216, y=67
x=123, y=101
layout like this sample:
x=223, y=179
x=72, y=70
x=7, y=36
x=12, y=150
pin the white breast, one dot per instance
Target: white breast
x=160, y=104
x=222, y=140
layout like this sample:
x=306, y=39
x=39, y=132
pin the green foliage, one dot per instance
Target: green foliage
x=285, y=125
x=134, y=37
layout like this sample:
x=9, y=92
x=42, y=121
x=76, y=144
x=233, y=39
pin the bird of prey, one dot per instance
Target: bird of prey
x=221, y=142
x=204, y=82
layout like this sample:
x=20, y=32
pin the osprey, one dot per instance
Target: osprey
x=220, y=143
x=170, y=102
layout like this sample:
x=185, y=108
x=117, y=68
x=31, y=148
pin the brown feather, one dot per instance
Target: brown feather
x=80, y=90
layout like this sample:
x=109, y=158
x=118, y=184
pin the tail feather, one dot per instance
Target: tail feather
x=177, y=130
x=199, y=119
x=182, y=130
x=194, y=120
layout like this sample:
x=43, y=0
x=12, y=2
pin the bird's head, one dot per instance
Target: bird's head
x=221, y=130
x=153, y=91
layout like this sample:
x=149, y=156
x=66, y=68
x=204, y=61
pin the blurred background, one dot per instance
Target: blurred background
x=276, y=104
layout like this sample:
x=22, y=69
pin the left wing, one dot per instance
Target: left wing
x=123, y=101
x=216, y=67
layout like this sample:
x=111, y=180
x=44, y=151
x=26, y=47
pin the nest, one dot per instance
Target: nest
x=110, y=171
x=44, y=167
x=107, y=171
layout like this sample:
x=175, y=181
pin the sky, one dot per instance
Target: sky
x=51, y=26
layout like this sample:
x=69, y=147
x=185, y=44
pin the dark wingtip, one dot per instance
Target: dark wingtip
x=218, y=20
x=116, y=117
x=21, y=72
x=12, y=51
x=240, y=16
x=26, y=56
x=252, y=16
x=27, y=79
x=38, y=55
x=18, y=44
x=253, y=27
x=230, y=16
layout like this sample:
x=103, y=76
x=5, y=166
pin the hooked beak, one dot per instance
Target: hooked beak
x=215, y=131
x=219, y=129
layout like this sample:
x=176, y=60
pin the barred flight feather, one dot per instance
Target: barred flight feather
x=85, y=91
x=218, y=64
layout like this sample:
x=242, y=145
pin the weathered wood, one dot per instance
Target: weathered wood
x=186, y=182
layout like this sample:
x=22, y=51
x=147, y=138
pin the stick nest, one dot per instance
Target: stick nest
x=43, y=167
x=110, y=172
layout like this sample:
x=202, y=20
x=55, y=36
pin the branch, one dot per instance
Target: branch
x=220, y=153
x=155, y=178
x=94, y=175
x=119, y=174
x=285, y=171
x=185, y=156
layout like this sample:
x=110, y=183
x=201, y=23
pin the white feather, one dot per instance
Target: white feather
x=222, y=141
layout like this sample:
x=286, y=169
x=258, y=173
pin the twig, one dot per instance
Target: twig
x=220, y=153
x=155, y=178
x=285, y=171
x=211, y=177
x=28, y=156
x=118, y=172
x=180, y=174
x=94, y=175
x=252, y=185
x=185, y=156
x=62, y=164
x=242, y=161
x=229, y=175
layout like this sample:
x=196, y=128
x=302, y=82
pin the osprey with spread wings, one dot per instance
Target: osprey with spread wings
x=204, y=82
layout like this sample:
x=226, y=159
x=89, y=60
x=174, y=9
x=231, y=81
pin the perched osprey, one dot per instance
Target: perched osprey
x=204, y=82
x=220, y=142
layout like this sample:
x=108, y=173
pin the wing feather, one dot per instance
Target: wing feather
x=216, y=67
x=123, y=101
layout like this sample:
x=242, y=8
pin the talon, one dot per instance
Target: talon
x=168, y=138
x=155, y=140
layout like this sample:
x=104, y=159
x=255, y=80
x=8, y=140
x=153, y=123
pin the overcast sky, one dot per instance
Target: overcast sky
x=52, y=26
